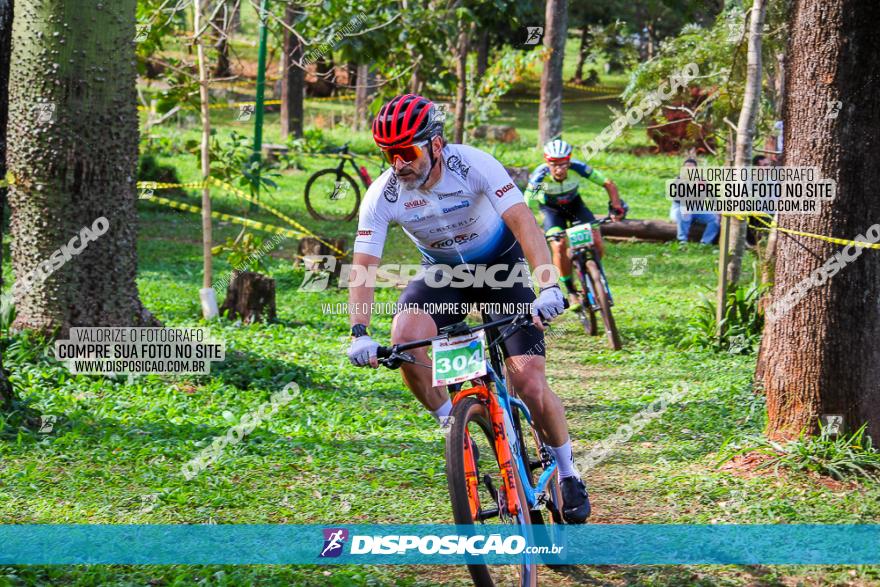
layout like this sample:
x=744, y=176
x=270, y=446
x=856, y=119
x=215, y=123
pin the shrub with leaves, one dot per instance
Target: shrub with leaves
x=741, y=326
x=245, y=252
x=843, y=457
x=508, y=66
x=232, y=161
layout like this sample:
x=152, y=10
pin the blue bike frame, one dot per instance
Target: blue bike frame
x=505, y=400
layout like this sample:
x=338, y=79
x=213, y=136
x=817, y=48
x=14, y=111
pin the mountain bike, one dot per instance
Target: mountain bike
x=333, y=194
x=493, y=451
x=590, y=280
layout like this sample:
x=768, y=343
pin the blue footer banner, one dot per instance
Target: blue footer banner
x=438, y=544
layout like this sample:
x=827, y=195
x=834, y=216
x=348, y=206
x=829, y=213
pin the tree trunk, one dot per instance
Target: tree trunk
x=461, y=90
x=745, y=131
x=222, y=22
x=250, y=296
x=204, y=98
x=550, y=109
x=292, y=79
x=235, y=17
x=362, y=94
x=6, y=391
x=649, y=230
x=482, y=55
x=415, y=80
x=821, y=357
x=73, y=151
x=768, y=266
x=651, y=39
x=582, y=55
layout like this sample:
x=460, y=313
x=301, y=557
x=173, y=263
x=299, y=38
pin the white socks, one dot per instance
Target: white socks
x=565, y=461
x=441, y=414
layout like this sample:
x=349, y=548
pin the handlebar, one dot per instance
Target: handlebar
x=393, y=356
x=561, y=234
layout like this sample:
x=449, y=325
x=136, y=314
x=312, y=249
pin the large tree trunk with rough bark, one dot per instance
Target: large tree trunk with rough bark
x=6, y=392
x=550, y=109
x=73, y=150
x=821, y=356
x=745, y=131
x=292, y=79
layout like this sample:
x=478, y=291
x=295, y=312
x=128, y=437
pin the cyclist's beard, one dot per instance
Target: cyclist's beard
x=413, y=178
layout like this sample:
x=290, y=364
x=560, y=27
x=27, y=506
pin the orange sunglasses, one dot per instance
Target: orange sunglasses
x=407, y=153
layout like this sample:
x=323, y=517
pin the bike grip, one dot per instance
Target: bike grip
x=383, y=352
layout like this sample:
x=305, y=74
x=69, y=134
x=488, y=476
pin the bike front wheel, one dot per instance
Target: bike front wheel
x=332, y=195
x=586, y=314
x=604, y=305
x=477, y=493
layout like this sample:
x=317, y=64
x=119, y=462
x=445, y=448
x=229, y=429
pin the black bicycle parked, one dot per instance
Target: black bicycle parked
x=332, y=193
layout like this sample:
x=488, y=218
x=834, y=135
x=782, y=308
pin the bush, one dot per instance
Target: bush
x=149, y=169
x=842, y=457
x=742, y=324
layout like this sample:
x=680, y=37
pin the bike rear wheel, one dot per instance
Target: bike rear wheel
x=332, y=195
x=476, y=490
x=604, y=305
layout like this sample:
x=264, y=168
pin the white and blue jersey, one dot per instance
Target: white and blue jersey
x=458, y=220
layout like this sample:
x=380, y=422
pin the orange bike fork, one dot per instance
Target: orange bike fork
x=502, y=449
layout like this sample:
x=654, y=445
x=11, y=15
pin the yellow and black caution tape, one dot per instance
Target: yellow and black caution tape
x=240, y=104
x=243, y=195
x=225, y=217
x=564, y=100
x=158, y=185
x=828, y=239
x=595, y=89
x=246, y=196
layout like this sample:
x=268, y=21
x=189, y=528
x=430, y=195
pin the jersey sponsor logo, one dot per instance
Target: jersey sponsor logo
x=365, y=233
x=456, y=240
x=415, y=204
x=504, y=190
x=419, y=218
x=459, y=206
x=423, y=233
x=449, y=195
x=391, y=191
x=455, y=165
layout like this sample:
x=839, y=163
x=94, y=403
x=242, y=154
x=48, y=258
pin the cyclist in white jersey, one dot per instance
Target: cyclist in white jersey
x=460, y=207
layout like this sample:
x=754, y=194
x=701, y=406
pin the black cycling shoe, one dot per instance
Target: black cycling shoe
x=575, y=501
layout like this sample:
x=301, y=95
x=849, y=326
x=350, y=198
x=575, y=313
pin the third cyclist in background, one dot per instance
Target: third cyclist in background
x=562, y=207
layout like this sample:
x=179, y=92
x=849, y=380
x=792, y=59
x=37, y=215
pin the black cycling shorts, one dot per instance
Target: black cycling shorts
x=563, y=216
x=498, y=302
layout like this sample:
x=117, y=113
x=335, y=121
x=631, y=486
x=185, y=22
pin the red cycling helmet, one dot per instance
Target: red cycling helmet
x=404, y=120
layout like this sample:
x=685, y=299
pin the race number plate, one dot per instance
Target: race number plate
x=459, y=358
x=580, y=236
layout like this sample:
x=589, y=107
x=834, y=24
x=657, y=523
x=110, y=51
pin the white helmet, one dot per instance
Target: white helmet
x=556, y=150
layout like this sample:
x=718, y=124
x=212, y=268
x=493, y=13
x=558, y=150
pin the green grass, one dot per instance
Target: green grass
x=354, y=446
